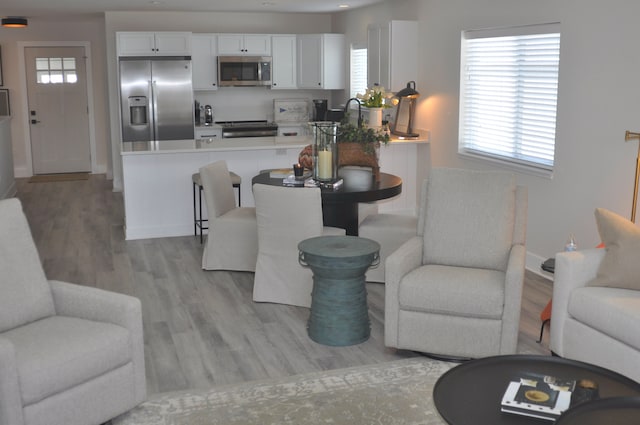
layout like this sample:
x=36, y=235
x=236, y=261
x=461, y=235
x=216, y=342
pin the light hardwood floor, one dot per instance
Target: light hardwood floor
x=201, y=327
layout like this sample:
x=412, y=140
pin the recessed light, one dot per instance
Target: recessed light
x=268, y=4
x=14, y=22
x=343, y=6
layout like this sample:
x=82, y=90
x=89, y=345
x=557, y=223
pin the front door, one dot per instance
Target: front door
x=58, y=109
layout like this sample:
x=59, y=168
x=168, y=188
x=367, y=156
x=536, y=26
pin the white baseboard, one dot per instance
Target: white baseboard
x=158, y=232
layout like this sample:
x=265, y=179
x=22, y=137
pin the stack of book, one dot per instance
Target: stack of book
x=538, y=396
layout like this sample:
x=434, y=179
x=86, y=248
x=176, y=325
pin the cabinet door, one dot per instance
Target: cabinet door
x=136, y=44
x=309, y=61
x=333, y=62
x=403, y=62
x=373, y=55
x=230, y=44
x=284, y=62
x=173, y=43
x=204, y=62
x=257, y=44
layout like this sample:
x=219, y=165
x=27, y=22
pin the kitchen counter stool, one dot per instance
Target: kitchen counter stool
x=236, y=180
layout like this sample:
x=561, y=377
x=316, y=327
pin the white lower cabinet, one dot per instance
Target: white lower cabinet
x=158, y=192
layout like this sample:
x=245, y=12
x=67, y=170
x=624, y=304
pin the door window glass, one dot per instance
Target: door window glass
x=56, y=71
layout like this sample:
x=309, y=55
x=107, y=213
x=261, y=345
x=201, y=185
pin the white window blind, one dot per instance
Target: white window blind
x=358, y=82
x=508, y=94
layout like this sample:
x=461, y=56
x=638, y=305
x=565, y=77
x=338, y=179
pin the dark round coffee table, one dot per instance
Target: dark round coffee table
x=470, y=394
x=608, y=411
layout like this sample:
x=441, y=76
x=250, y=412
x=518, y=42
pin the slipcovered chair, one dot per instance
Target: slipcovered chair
x=286, y=216
x=455, y=289
x=232, y=240
x=596, y=299
x=69, y=354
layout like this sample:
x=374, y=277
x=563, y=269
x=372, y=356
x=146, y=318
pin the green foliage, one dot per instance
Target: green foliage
x=369, y=137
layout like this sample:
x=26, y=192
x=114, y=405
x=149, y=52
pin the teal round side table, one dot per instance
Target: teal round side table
x=339, y=312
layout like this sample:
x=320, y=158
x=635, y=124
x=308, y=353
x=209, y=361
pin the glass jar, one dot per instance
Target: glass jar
x=325, y=151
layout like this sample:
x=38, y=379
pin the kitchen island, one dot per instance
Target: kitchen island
x=157, y=176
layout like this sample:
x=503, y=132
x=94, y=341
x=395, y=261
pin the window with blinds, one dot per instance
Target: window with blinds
x=508, y=94
x=358, y=81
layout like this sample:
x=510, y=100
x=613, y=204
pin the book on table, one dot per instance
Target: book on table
x=281, y=173
x=537, y=395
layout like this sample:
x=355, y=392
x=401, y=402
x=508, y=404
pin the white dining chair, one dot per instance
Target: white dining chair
x=286, y=216
x=232, y=241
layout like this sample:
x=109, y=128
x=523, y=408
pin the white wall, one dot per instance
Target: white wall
x=598, y=101
x=7, y=182
x=86, y=29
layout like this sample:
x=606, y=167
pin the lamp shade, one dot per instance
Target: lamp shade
x=14, y=22
x=409, y=91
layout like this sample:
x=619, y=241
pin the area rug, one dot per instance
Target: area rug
x=66, y=177
x=393, y=393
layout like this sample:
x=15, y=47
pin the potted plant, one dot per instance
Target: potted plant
x=359, y=145
x=375, y=99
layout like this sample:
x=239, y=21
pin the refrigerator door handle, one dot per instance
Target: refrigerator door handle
x=154, y=108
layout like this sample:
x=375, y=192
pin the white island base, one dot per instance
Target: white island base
x=158, y=191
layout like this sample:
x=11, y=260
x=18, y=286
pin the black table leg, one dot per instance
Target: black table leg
x=342, y=215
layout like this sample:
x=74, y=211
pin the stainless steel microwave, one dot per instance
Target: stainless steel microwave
x=244, y=71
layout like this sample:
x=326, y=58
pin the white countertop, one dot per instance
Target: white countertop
x=235, y=144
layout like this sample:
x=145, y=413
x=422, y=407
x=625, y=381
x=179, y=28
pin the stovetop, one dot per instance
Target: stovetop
x=247, y=124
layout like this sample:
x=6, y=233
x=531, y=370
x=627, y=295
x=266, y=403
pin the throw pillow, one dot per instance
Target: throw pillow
x=620, y=267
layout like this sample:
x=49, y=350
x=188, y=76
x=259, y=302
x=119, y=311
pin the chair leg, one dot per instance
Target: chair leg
x=200, y=206
x=542, y=329
x=195, y=220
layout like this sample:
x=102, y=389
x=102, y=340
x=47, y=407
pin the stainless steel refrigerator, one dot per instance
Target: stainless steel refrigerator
x=156, y=99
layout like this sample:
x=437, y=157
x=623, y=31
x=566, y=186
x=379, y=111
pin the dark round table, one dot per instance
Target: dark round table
x=340, y=206
x=471, y=393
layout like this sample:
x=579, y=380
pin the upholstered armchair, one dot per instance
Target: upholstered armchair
x=69, y=354
x=455, y=288
x=232, y=241
x=596, y=300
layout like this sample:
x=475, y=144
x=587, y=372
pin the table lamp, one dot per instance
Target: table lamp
x=631, y=136
x=403, y=126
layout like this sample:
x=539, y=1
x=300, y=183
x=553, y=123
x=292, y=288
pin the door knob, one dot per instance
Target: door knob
x=34, y=121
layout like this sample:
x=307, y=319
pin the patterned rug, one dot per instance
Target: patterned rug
x=393, y=393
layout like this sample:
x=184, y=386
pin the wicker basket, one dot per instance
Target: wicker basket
x=352, y=153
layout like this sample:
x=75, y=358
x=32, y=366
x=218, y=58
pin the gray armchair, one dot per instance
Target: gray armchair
x=68, y=354
x=455, y=289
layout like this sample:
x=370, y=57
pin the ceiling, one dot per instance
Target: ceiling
x=47, y=9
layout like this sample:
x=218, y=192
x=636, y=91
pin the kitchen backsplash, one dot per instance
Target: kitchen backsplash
x=252, y=103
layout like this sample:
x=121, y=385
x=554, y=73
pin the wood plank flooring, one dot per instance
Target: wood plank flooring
x=201, y=327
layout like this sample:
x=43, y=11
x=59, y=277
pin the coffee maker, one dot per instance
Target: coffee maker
x=319, y=109
x=208, y=115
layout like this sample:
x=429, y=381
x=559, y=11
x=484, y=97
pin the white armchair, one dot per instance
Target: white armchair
x=455, y=289
x=69, y=354
x=594, y=324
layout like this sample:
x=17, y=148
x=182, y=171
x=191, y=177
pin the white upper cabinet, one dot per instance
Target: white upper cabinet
x=244, y=44
x=166, y=43
x=391, y=51
x=283, y=70
x=204, y=61
x=321, y=61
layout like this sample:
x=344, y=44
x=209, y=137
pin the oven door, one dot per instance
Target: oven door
x=244, y=71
